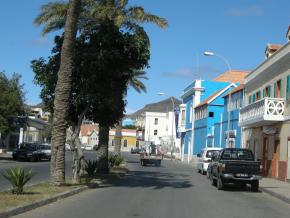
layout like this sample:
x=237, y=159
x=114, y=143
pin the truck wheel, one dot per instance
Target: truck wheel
x=220, y=183
x=255, y=186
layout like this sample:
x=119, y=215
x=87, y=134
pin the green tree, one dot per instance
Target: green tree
x=99, y=77
x=135, y=82
x=93, y=13
x=11, y=102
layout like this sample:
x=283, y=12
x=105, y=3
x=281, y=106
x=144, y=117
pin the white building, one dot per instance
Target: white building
x=160, y=128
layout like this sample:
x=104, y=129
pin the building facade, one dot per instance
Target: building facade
x=265, y=116
x=222, y=136
x=201, y=109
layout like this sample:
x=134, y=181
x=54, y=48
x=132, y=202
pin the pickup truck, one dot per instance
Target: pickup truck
x=235, y=165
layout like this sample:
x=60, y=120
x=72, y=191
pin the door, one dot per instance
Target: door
x=265, y=157
x=275, y=159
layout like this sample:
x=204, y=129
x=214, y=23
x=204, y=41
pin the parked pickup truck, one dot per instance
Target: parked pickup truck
x=235, y=165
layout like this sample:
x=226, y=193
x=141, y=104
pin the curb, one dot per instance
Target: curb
x=274, y=194
x=27, y=207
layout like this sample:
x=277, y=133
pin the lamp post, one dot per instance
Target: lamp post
x=209, y=53
x=172, y=123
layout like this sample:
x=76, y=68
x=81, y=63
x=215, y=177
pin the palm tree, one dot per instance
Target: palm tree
x=136, y=83
x=62, y=94
x=94, y=12
x=52, y=15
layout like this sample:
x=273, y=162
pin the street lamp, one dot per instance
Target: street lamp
x=209, y=53
x=172, y=140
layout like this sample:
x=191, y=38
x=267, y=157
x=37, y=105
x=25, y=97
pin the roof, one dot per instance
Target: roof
x=87, y=129
x=234, y=76
x=239, y=88
x=210, y=98
x=272, y=47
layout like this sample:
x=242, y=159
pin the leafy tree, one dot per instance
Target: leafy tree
x=92, y=14
x=11, y=102
x=100, y=74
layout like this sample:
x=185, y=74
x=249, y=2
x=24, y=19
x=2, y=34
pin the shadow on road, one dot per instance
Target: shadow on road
x=156, y=180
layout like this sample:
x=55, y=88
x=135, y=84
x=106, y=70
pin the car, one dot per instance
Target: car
x=135, y=150
x=204, y=158
x=45, y=149
x=237, y=166
x=209, y=168
x=27, y=151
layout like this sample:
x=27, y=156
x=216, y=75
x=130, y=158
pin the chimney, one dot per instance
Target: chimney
x=271, y=49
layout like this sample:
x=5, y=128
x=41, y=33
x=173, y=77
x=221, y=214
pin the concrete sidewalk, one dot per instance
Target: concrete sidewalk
x=276, y=188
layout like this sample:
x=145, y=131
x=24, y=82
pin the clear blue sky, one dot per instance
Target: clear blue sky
x=236, y=29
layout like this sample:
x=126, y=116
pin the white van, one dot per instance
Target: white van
x=204, y=158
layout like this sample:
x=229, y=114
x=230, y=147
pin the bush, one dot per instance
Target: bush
x=91, y=167
x=18, y=178
x=115, y=160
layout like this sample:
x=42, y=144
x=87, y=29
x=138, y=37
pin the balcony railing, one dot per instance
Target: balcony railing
x=262, y=112
x=182, y=127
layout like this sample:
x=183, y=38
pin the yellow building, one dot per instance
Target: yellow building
x=128, y=138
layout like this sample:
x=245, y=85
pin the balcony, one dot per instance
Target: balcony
x=263, y=112
x=182, y=128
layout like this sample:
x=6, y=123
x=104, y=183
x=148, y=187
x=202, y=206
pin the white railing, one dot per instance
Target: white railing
x=266, y=109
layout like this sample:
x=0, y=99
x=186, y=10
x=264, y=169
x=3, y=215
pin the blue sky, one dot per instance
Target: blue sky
x=237, y=30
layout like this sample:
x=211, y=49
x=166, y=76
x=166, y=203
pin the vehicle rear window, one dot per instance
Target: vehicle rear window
x=45, y=147
x=209, y=153
x=238, y=154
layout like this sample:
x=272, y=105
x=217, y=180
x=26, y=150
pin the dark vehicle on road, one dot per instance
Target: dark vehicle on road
x=29, y=151
x=45, y=151
x=235, y=165
x=135, y=150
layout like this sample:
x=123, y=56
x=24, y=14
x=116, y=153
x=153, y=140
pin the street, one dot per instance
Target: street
x=170, y=191
x=41, y=168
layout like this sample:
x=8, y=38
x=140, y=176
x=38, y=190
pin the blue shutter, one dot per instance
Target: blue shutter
x=275, y=90
x=254, y=98
x=270, y=91
x=288, y=88
x=263, y=93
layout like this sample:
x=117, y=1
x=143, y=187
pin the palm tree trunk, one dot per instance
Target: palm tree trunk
x=118, y=137
x=102, y=150
x=62, y=94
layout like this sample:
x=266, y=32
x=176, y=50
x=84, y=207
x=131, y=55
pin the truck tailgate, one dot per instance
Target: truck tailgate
x=247, y=167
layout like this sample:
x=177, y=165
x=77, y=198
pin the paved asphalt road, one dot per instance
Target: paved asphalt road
x=41, y=168
x=170, y=191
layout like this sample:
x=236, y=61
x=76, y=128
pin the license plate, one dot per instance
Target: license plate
x=242, y=175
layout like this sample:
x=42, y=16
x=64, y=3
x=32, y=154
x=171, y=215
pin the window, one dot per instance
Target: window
x=254, y=98
x=156, y=121
x=211, y=114
x=277, y=89
x=258, y=95
x=288, y=88
x=113, y=142
x=267, y=92
x=250, y=100
x=125, y=143
x=155, y=132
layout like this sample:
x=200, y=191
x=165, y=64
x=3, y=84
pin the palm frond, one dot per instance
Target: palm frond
x=141, y=16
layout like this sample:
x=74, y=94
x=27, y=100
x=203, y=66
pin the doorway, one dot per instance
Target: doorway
x=275, y=159
x=265, y=164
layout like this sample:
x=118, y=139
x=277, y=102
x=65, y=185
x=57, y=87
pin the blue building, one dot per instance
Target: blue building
x=221, y=132
x=203, y=104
